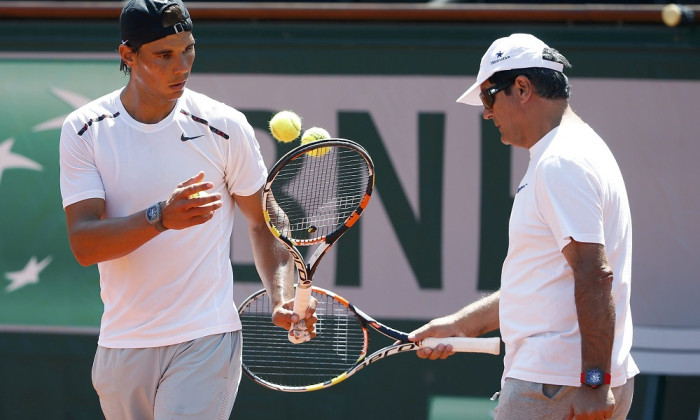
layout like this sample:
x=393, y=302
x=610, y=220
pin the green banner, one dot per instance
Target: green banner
x=40, y=281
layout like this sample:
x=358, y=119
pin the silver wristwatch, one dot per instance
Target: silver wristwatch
x=153, y=215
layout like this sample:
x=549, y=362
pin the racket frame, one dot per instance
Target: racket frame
x=490, y=345
x=305, y=271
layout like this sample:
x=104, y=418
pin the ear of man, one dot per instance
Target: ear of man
x=127, y=55
x=523, y=88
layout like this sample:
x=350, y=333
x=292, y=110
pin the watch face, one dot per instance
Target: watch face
x=594, y=377
x=152, y=213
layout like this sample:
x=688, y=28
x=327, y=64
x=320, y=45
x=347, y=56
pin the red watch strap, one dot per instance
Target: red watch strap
x=606, y=378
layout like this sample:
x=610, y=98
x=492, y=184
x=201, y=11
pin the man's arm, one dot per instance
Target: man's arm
x=273, y=262
x=473, y=320
x=596, y=317
x=94, y=238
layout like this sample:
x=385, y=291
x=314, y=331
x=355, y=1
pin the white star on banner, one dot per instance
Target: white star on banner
x=13, y=160
x=73, y=99
x=29, y=274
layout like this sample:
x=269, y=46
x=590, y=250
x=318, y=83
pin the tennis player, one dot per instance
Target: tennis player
x=563, y=308
x=150, y=175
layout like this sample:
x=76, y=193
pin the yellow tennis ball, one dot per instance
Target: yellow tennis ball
x=676, y=15
x=285, y=126
x=671, y=15
x=314, y=134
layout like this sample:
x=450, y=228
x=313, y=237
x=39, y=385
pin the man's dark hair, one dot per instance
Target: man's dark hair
x=548, y=83
x=171, y=15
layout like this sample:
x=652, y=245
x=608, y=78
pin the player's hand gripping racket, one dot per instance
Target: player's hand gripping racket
x=338, y=351
x=313, y=195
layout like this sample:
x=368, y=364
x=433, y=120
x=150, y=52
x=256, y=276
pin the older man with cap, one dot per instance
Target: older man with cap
x=563, y=307
x=150, y=175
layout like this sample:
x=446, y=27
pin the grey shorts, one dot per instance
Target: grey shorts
x=522, y=400
x=197, y=379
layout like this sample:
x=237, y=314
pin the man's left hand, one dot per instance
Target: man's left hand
x=592, y=404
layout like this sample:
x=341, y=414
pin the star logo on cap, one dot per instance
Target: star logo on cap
x=499, y=54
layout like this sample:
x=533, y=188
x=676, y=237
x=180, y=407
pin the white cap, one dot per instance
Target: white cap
x=518, y=51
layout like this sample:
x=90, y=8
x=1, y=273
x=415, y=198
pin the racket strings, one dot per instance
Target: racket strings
x=312, y=196
x=267, y=353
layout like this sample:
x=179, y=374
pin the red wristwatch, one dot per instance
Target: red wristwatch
x=595, y=377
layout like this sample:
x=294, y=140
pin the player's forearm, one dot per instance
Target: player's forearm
x=479, y=317
x=273, y=263
x=596, y=316
x=94, y=241
x=595, y=306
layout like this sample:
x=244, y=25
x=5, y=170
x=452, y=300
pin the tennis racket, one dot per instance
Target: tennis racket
x=338, y=351
x=312, y=196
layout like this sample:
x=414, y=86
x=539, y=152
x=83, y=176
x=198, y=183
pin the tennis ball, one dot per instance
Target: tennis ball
x=676, y=15
x=671, y=15
x=314, y=134
x=285, y=126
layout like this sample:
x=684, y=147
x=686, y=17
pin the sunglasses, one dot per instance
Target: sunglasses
x=488, y=97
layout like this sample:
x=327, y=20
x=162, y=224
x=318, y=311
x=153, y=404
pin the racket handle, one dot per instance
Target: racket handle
x=490, y=345
x=301, y=300
x=298, y=333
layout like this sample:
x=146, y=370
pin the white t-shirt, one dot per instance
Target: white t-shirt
x=573, y=188
x=179, y=285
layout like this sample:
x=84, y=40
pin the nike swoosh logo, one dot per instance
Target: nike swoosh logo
x=520, y=188
x=185, y=138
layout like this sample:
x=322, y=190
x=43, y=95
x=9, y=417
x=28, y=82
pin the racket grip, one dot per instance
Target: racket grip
x=490, y=345
x=301, y=301
x=298, y=333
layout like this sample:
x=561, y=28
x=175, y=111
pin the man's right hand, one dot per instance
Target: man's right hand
x=439, y=327
x=189, y=205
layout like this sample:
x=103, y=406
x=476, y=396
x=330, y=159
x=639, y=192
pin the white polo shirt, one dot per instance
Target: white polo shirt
x=573, y=188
